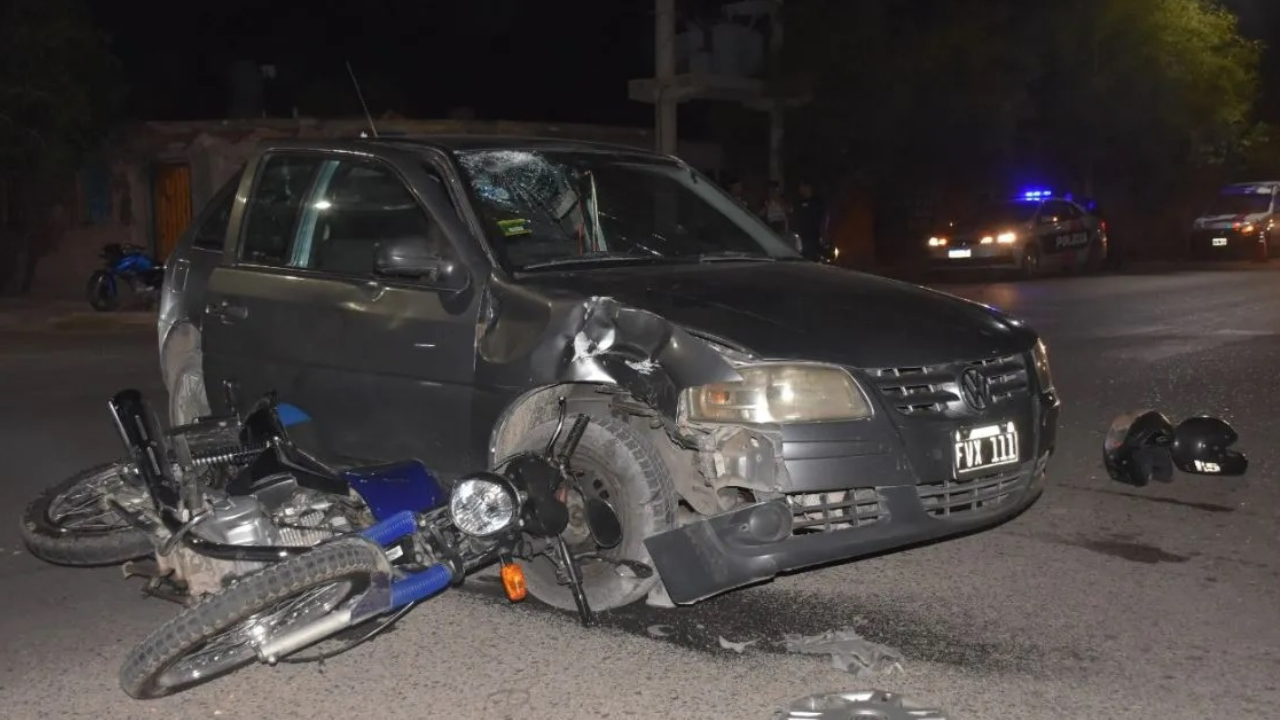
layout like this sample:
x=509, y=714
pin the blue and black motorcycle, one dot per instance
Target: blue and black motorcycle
x=127, y=264
x=272, y=549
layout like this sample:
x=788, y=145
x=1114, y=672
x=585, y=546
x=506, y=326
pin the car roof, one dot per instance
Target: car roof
x=1250, y=186
x=463, y=143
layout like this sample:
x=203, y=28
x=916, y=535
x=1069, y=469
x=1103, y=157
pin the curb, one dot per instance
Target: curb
x=46, y=320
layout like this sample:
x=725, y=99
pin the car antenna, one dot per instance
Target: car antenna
x=372, y=128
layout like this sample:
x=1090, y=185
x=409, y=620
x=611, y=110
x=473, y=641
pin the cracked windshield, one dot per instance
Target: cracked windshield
x=552, y=209
x=658, y=359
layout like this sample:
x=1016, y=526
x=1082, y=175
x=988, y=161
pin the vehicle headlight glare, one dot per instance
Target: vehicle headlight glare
x=1040, y=358
x=482, y=505
x=780, y=393
x=1007, y=238
x=937, y=241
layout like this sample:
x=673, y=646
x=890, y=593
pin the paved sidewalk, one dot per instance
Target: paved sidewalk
x=52, y=315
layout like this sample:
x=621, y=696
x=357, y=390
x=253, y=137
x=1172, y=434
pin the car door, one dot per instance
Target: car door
x=384, y=366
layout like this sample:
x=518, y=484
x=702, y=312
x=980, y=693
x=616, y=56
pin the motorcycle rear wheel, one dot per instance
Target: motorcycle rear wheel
x=103, y=295
x=70, y=524
x=212, y=639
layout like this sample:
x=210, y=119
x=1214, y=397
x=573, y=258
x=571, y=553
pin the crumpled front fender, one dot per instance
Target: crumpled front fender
x=597, y=340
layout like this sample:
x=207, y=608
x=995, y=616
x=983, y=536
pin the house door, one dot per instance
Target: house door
x=172, y=205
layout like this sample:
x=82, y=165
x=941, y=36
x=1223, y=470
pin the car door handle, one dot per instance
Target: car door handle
x=226, y=311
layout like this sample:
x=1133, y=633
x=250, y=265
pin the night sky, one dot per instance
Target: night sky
x=564, y=60
x=509, y=59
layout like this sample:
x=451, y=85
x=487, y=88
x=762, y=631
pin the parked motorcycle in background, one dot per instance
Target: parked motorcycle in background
x=127, y=264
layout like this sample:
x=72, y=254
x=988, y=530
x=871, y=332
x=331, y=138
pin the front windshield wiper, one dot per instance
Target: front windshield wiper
x=729, y=255
x=592, y=257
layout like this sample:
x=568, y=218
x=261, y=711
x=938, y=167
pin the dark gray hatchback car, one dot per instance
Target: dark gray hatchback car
x=753, y=412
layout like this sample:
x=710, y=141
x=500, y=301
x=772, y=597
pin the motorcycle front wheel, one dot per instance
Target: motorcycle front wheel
x=216, y=636
x=71, y=523
x=103, y=294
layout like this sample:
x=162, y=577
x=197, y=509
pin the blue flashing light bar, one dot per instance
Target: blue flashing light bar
x=1036, y=195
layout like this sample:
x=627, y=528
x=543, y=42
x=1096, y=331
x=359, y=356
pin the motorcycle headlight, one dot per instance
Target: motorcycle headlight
x=780, y=393
x=1040, y=358
x=482, y=506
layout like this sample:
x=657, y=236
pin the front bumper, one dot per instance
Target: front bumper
x=1225, y=243
x=888, y=488
x=979, y=256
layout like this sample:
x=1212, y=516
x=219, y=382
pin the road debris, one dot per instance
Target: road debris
x=736, y=646
x=659, y=631
x=849, y=652
x=853, y=705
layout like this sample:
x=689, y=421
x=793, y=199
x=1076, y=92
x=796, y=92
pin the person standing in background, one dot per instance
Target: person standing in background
x=810, y=221
x=775, y=209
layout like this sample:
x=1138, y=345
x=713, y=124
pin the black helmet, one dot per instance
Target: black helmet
x=1135, y=451
x=1201, y=445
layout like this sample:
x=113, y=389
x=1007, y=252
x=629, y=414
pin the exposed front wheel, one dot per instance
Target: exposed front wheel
x=619, y=466
x=103, y=294
x=72, y=523
x=217, y=636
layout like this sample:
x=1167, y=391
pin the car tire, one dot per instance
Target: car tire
x=188, y=398
x=632, y=469
x=1030, y=262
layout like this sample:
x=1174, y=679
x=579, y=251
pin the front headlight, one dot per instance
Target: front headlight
x=482, y=506
x=779, y=393
x=1040, y=358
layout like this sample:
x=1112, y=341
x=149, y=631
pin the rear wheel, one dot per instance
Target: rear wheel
x=1096, y=259
x=72, y=523
x=103, y=294
x=215, y=637
x=616, y=464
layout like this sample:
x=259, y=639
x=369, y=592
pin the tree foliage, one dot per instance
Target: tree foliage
x=1074, y=90
x=59, y=83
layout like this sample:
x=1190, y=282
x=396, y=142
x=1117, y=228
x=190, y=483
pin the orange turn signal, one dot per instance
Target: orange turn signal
x=513, y=582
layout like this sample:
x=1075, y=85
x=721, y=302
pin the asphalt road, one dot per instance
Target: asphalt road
x=1098, y=602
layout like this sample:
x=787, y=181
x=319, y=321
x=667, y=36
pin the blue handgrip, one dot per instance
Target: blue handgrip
x=420, y=586
x=392, y=529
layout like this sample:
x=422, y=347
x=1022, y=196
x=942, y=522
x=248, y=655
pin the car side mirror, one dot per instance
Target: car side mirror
x=413, y=257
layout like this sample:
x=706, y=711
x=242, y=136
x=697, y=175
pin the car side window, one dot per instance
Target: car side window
x=272, y=213
x=357, y=205
x=213, y=231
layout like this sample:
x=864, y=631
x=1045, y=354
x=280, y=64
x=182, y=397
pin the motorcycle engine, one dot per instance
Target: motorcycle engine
x=298, y=517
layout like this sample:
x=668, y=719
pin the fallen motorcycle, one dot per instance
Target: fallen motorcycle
x=415, y=551
x=1145, y=446
x=200, y=505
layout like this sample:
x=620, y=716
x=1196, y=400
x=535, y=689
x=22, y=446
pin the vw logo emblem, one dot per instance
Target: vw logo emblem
x=975, y=389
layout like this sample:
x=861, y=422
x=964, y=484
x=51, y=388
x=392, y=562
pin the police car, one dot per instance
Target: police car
x=1034, y=232
x=1239, y=223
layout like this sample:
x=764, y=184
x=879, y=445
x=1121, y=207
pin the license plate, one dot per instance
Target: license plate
x=963, y=253
x=985, y=447
x=1219, y=242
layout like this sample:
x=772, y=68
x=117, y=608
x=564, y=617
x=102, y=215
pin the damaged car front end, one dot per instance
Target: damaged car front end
x=808, y=414
x=877, y=460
